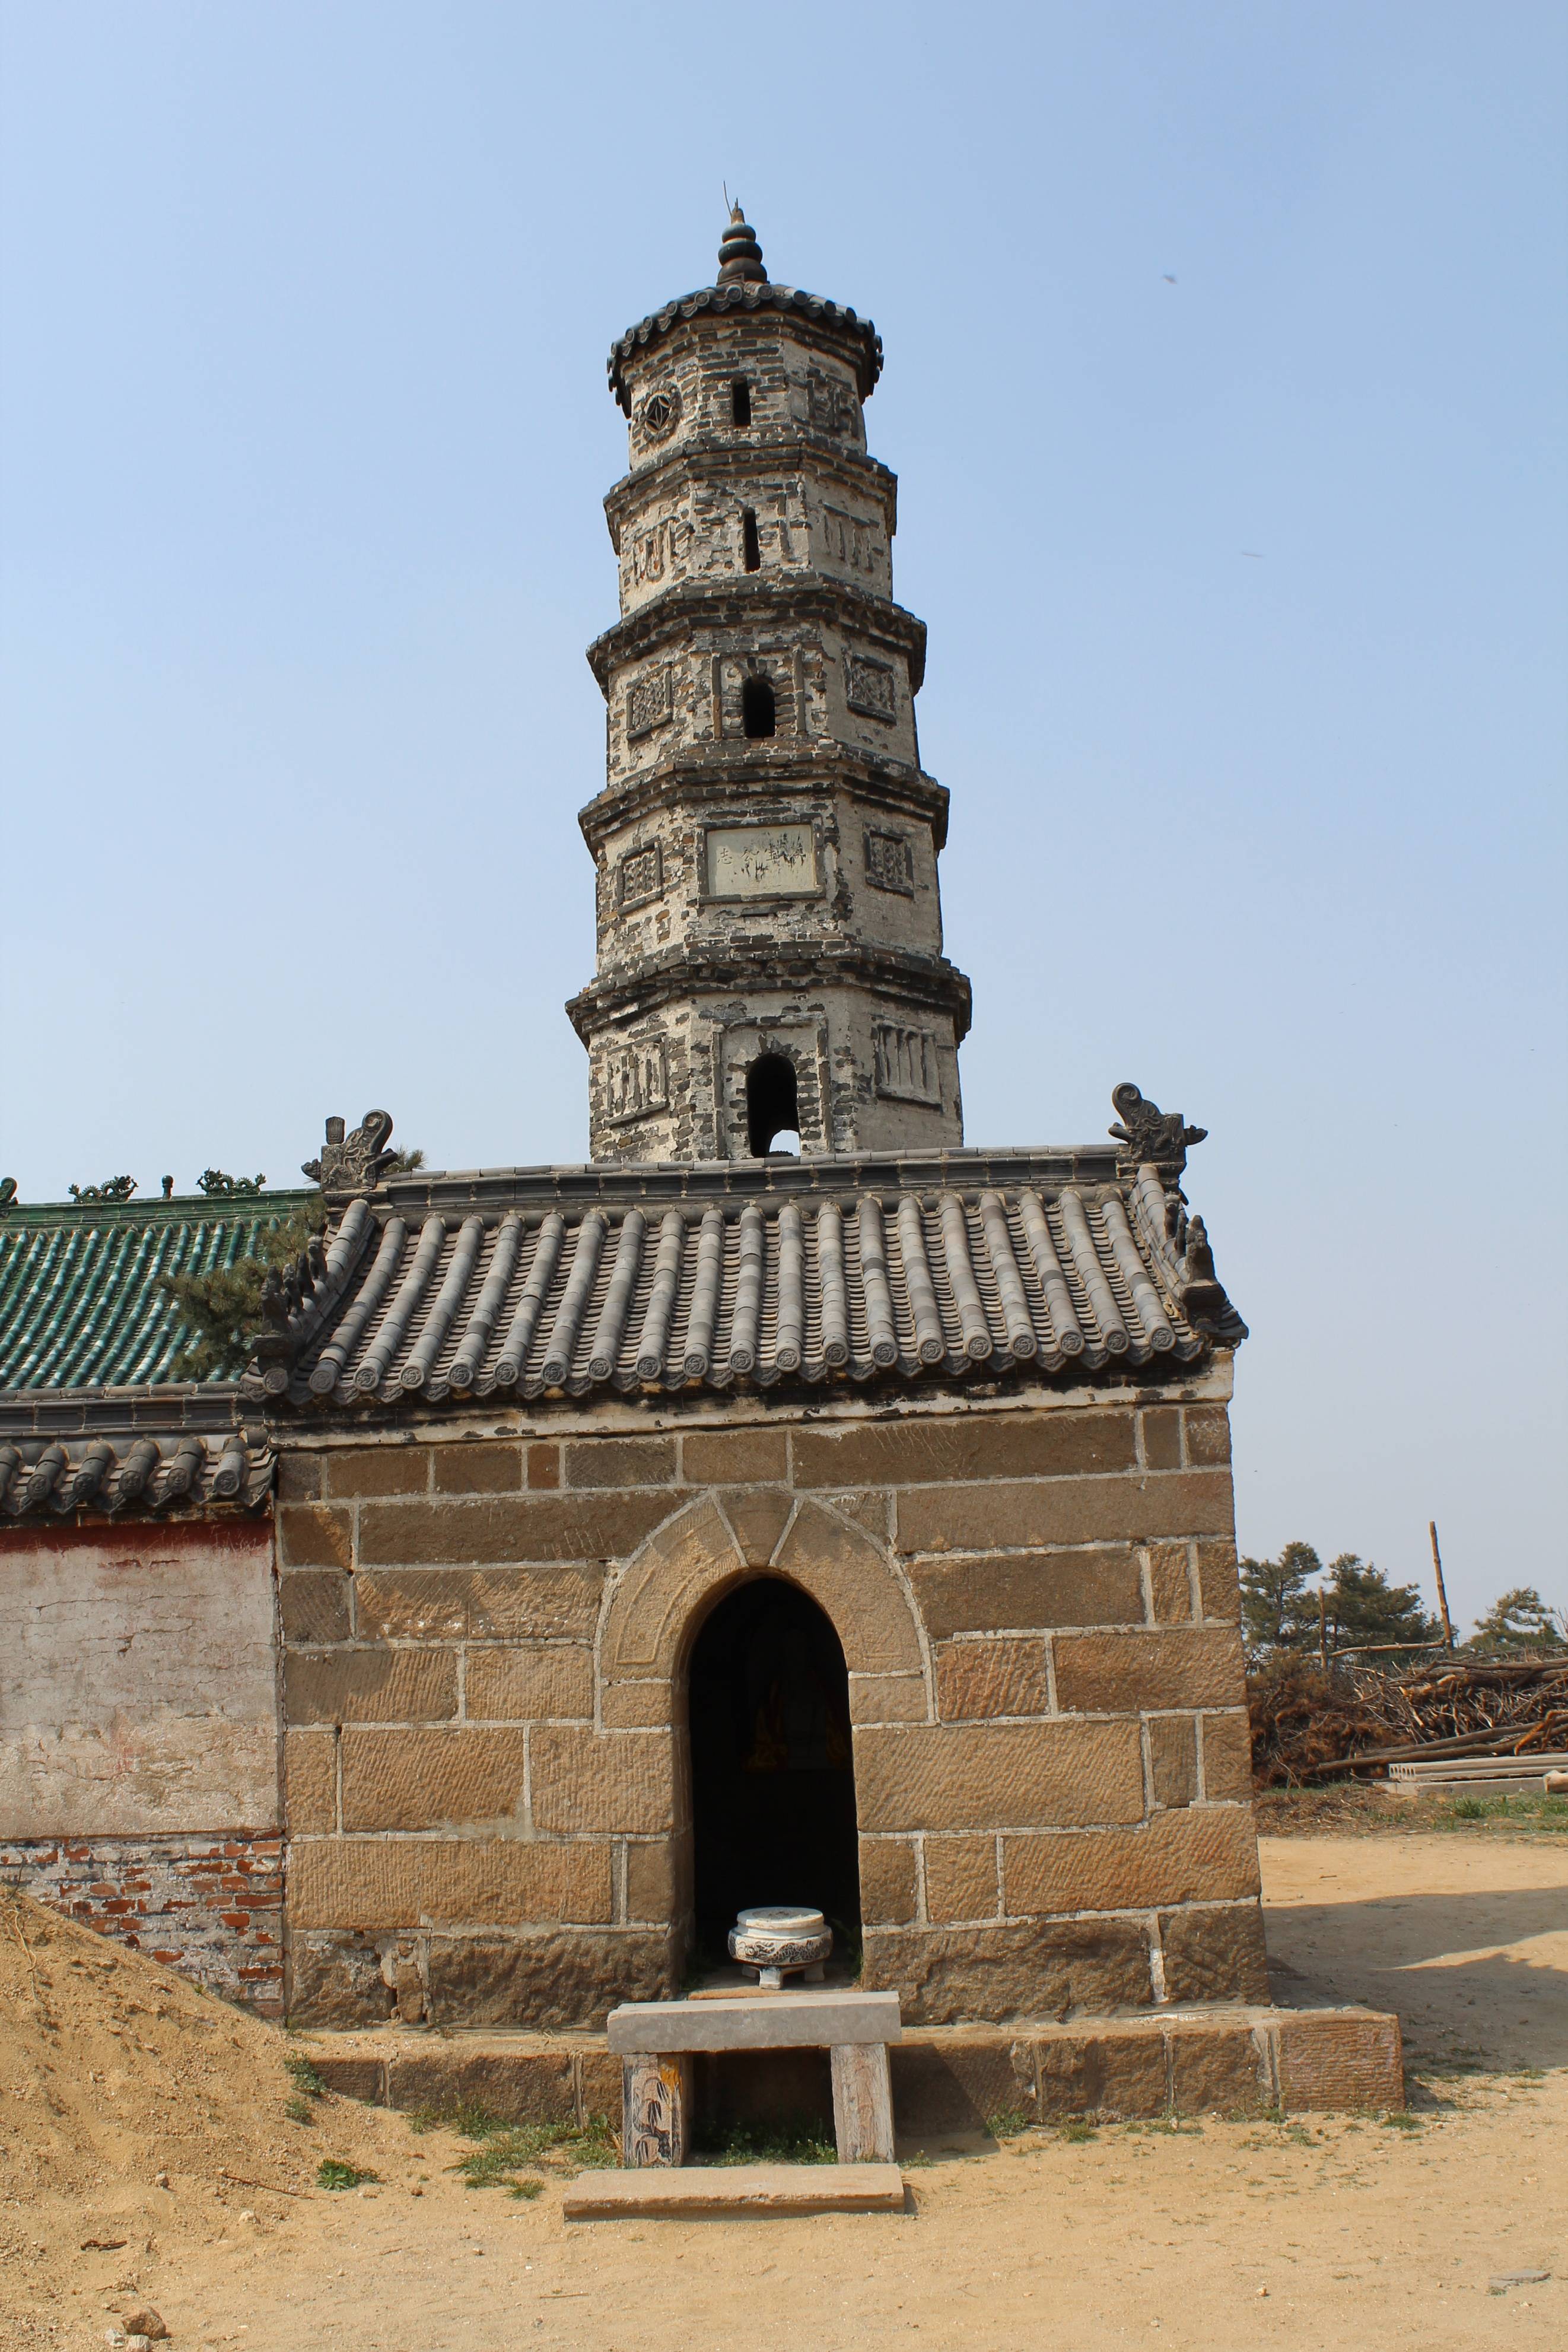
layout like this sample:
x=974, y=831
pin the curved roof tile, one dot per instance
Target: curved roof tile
x=572, y=1281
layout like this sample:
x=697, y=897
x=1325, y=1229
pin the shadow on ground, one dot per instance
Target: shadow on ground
x=1490, y=1968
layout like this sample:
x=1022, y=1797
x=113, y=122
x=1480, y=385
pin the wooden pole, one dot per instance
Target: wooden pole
x=1442, y=1594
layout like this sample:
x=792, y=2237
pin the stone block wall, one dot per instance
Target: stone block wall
x=486, y=1765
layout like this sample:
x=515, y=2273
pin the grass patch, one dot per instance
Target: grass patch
x=304, y=2078
x=502, y=2150
x=1400, y=2119
x=791, y=2142
x=1008, y=2122
x=1358, y=1809
x=299, y=2111
x=1537, y=1815
x=1077, y=2130
x=332, y=2173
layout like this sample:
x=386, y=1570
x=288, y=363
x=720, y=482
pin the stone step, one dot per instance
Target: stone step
x=956, y=2078
x=679, y=2193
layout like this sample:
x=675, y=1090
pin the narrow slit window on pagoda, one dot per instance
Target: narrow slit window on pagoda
x=758, y=711
x=751, y=545
x=740, y=402
x=772, y=1106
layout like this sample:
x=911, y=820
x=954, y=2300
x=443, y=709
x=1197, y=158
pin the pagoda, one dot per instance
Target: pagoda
x=769, y=918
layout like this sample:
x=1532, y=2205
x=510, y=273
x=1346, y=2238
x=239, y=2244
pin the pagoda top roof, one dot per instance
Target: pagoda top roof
x=861, y=338
x=743, y=284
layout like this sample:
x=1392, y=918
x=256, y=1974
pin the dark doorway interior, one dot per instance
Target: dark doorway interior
x=772, y=1102
x=773, y=1789
x=759, y=709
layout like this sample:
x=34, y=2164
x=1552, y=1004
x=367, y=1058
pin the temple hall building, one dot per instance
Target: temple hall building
x=790, y=1505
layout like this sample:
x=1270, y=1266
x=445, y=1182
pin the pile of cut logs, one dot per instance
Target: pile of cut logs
x=1358, y=1718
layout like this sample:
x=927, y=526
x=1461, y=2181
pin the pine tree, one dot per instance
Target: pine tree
x=220, y=1309
x=1277, y=1611
x=1365, y=1609
x=1519, y=1620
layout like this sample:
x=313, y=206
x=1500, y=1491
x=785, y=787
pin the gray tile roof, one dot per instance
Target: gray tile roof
x=1061, y=1266
x=42, y=1477
x=864, y=343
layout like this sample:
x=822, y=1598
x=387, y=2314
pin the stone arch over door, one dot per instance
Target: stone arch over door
x=661, y=1597
x=658, y=1603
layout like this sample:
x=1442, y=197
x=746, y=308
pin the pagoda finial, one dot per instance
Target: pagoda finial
x=741, y=256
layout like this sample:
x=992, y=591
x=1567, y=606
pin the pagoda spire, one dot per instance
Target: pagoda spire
x=741, y=256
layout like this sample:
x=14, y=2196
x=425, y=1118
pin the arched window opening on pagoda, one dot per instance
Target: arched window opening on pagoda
x=772, y=1106
x=740, y=401
x=758, y=711
x=749, y=541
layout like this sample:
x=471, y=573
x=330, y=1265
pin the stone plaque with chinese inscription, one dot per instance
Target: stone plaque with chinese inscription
x=761, y=861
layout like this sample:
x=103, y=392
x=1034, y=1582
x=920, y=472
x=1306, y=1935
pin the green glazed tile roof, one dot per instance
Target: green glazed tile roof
x=81, y=1303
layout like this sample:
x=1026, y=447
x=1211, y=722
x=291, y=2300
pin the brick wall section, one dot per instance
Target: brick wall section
x=484, y=1642
x=211, y=1907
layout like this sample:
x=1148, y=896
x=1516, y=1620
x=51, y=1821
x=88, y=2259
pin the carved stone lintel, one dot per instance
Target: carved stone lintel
x=353, y=1162
x=1151, y=1135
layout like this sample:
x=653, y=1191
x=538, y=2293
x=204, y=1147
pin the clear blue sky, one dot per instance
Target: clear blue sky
x=304, y=431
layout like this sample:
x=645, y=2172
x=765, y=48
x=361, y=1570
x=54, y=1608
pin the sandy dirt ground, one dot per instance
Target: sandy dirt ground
x=1324, y=2232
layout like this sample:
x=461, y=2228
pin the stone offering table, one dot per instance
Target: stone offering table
x=655, y=2039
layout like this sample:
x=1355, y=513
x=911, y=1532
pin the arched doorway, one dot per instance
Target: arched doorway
x=773, y=1790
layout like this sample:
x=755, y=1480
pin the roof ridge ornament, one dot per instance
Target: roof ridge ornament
x=113, y=1188
x=352, y=1162
x=1152, y=1136
x=741, y=256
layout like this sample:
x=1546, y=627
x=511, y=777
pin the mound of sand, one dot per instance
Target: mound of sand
x=135, y=2111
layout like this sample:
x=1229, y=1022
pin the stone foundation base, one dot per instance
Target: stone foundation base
x=957, y=2078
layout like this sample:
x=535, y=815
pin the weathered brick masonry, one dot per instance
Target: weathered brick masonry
x=484, y=1754
x=210, y=1906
